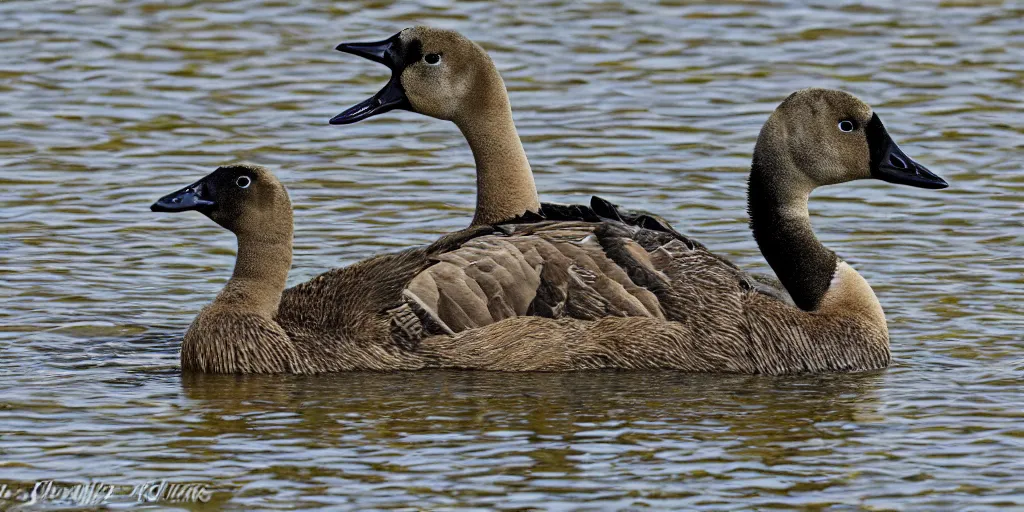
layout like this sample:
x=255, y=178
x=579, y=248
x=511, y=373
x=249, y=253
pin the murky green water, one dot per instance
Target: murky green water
x=109, y=104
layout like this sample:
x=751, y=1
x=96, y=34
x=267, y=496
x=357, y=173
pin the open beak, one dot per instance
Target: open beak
x=188, y=198
x=392, y=96
x=890, y=163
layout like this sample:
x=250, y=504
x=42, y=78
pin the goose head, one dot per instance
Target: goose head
x=435, y=72
x=822, y=137
x=244, y=198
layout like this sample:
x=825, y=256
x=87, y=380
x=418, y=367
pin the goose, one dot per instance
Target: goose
x=237, y=332
x=816, y=137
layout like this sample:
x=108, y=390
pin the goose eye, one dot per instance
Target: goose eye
x=846, y=126
x=432, y=58
x=243, y=181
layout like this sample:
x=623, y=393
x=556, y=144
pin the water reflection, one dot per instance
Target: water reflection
x=553, y=412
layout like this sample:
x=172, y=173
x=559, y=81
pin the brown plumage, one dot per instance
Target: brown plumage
x=565, y=294
x=374, y=314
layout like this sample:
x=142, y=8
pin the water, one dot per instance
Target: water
x=111, y=104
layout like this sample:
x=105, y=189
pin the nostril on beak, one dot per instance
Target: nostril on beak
x=897, y=162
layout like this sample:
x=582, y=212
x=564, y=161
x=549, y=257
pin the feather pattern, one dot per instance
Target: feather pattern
x=375, y=314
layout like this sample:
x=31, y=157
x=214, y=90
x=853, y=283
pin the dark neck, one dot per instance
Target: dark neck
x=504, y=180
x=261, y=271
x=782, y=229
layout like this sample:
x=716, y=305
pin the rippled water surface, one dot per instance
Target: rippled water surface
x=109, y=104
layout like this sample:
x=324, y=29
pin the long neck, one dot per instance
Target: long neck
x=261, y=270
x=504, y=180
x=782, y=228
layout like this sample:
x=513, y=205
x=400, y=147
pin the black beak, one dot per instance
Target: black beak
x=377, y=51
x=890, y=163
x=188, y=198
x=392, y=96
